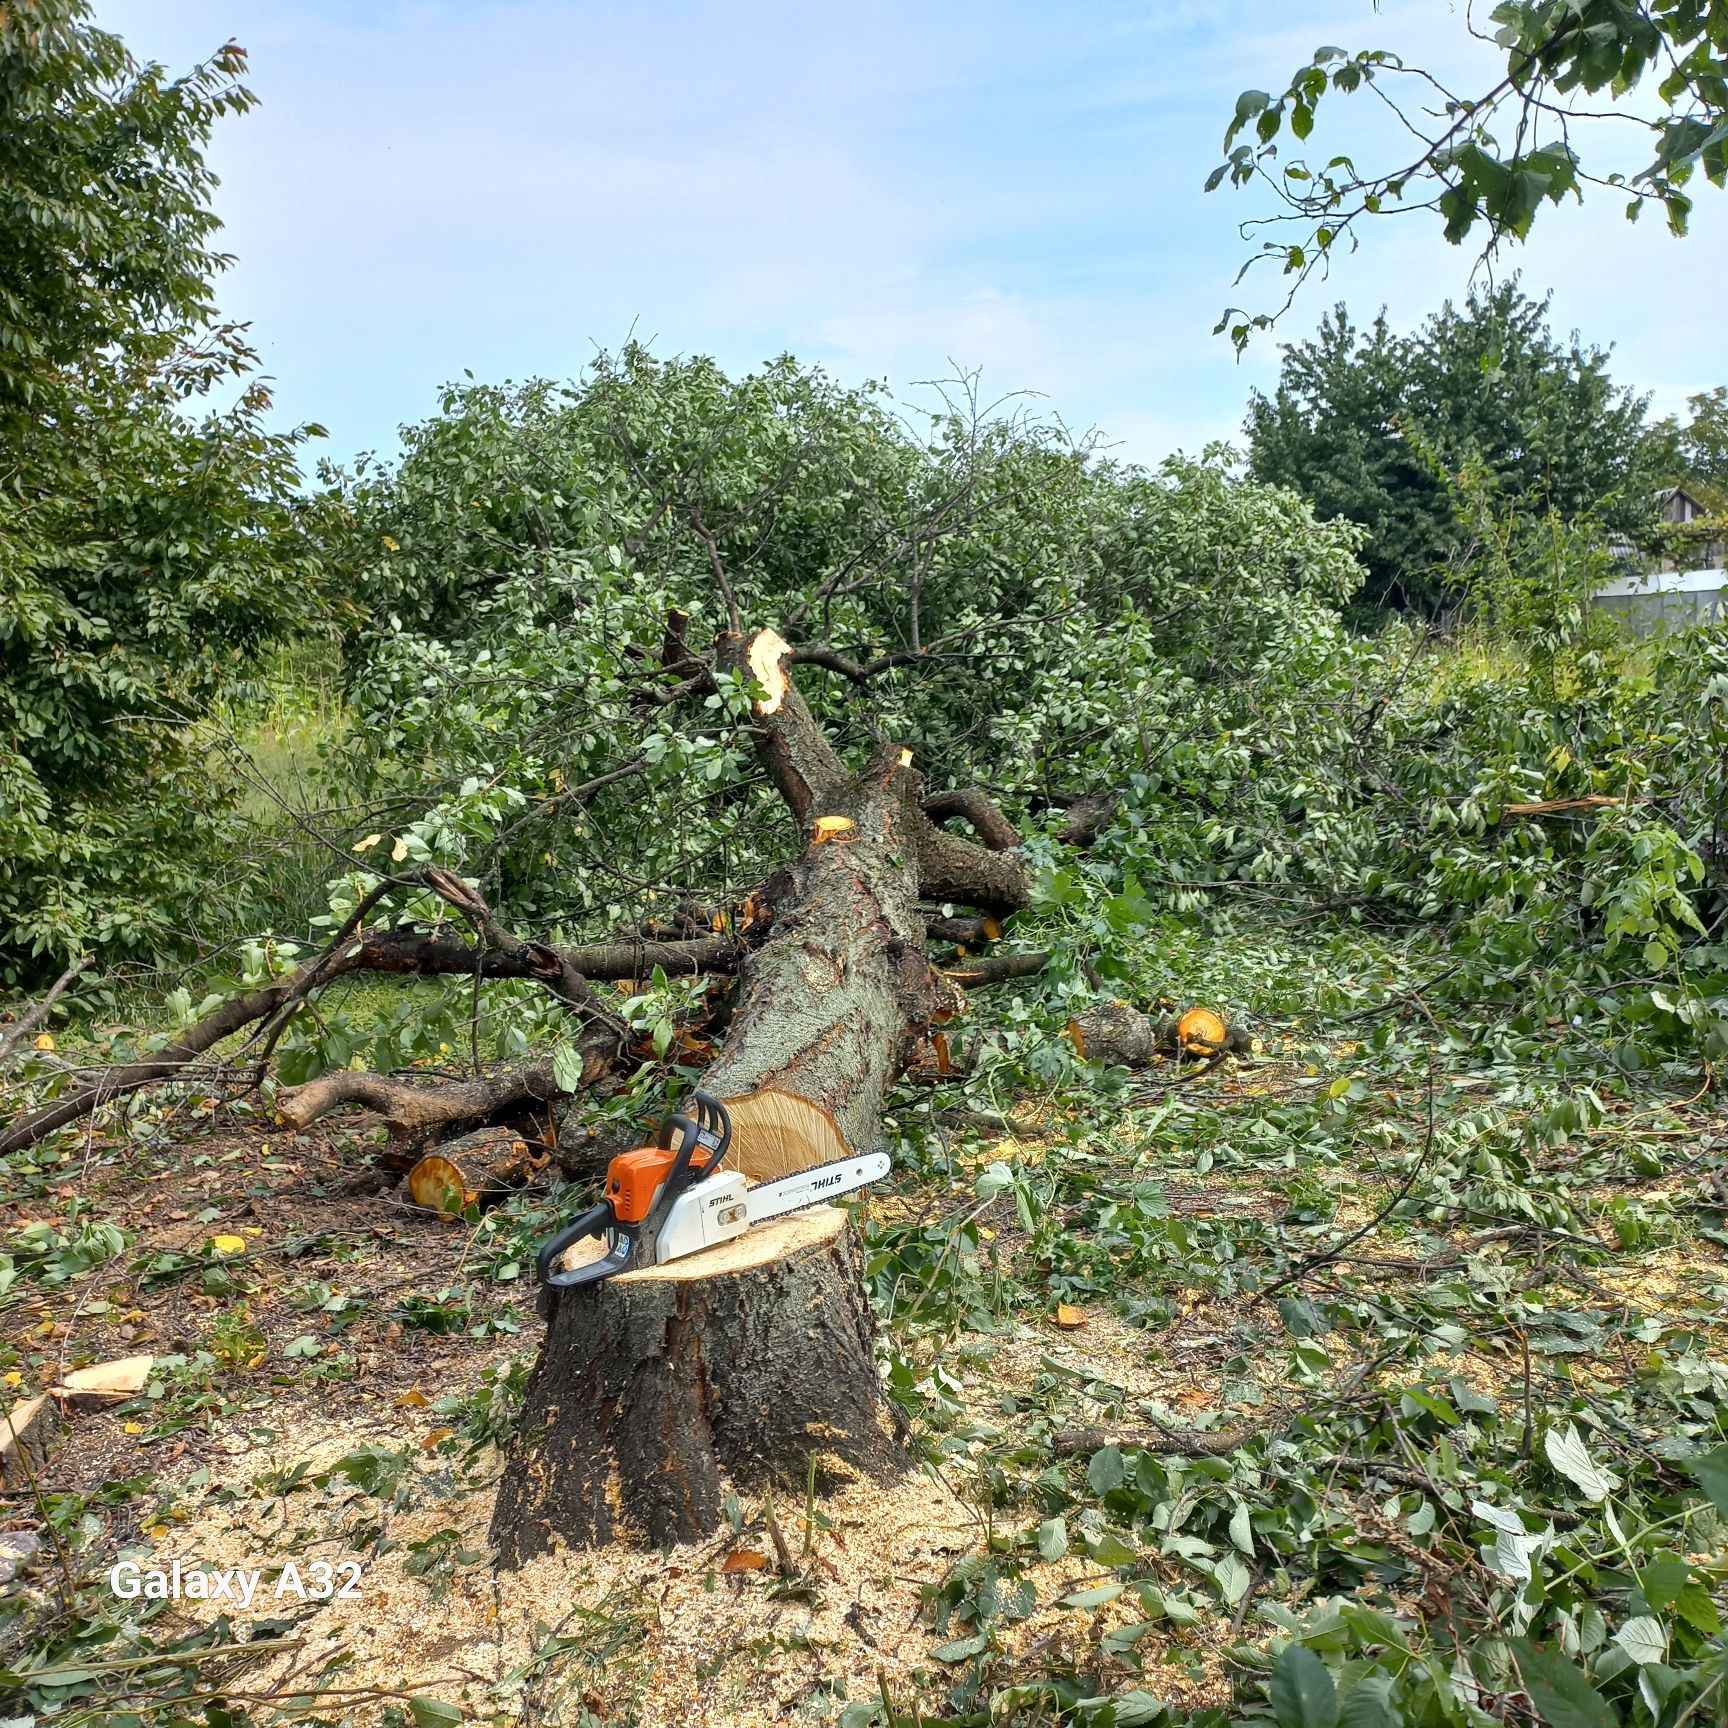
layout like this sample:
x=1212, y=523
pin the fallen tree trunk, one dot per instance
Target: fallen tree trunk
x=832, y=1004
x=654, y=1389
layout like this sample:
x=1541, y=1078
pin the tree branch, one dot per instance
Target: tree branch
x=24, y=1029
x=974, y=805
x=417, y=1108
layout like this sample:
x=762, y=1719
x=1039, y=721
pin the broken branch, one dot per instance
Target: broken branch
x=32, y=1017
x=415, y=1107
x=974, y=805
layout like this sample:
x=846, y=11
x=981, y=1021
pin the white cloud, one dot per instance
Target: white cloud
x=886, y=187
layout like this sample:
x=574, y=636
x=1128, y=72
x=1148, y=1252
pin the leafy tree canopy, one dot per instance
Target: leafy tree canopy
x=144, y=555
x=1017, y=610
x=1486, y=161
x=1694, y=454
x=1378, y=427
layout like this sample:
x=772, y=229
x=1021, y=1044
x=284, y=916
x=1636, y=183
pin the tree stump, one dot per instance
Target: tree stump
x=657, y=1390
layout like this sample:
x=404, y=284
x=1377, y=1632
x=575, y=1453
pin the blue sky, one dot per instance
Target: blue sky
x=890, y=189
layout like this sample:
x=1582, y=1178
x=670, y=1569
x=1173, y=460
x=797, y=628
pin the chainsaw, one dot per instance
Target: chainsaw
x=662, y=1203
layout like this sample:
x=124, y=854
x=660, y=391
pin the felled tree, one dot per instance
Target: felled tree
x=741, y=682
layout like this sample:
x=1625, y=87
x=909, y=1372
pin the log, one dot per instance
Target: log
x=1120, y=1036
x=474, y=1169
x=1116, y=1035
x=997, y=969
x=415, y=1107
x=657, y=1391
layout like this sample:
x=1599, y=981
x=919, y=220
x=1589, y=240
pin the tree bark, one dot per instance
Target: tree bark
x=833, y=1003
x=740, y=1363
x=656, y=1391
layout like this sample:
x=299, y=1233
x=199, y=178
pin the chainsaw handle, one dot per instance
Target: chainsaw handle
x=709, y=1124
x=710, y=1127
x=717, y=1120
x=591, y=1223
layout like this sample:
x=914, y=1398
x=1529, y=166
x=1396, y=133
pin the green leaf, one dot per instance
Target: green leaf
x=1569, y=1455
x=1469, y=1400
x=1662, y=1580
x=1369, y=1704
x=567, y=1068
x=1052, y=1539
x=1301, y=1318
x=1168, y=1605
x=1560, y=1690
x=1110, y=1550
x=1106, y=1471
x=433, y=1713
x=1248, y=104
x=1137, y=1709
x=1233, y=1579
x=1121, y=1642
x=1302, y=1692
x=1711, y=1469
x=1694, y=1605
x=1096, y=1597
x=1643, y=1639
x=962, y=1649
x=1242, y=1529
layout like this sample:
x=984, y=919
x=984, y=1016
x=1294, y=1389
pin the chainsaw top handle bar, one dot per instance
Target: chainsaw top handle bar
x=711, y=1127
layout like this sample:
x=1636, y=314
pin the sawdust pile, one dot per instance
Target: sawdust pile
x=668, y=1638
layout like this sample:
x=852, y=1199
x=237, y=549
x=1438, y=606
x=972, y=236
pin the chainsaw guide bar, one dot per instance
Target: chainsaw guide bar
x=661, y=1204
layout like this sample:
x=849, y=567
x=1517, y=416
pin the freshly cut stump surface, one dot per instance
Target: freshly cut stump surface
x=656, y=1391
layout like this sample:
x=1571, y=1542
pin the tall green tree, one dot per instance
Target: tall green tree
x=1376, y=428
x=145, y=554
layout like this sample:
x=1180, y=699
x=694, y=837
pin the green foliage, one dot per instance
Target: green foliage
x=1490, y=159
x=1379, y=428
x=1385, y=1555
x=105, y=227
x=1039, y=606
x=144, y=556
x=1695, y=455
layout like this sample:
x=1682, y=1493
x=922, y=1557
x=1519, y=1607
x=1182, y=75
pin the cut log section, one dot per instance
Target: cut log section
x=775, y=1133
x=473, y=1170
x=656, y=1391
x=104, y=1383
x=1120, y=1036
x=27, y=1431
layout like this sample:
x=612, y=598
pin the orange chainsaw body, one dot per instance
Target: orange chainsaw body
x=633, y=1178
